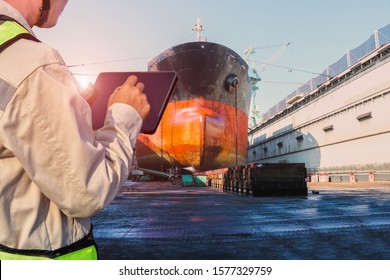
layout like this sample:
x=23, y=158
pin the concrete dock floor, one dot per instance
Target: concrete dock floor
x=161, y=221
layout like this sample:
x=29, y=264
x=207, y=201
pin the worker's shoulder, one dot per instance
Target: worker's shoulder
x=24, y=57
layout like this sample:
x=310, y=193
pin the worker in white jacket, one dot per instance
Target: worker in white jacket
x=55, y=171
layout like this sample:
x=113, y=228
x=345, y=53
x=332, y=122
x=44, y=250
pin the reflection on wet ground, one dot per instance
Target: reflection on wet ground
x=160, y=221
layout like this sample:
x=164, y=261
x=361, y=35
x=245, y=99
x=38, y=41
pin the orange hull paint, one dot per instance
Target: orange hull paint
x=197, y=133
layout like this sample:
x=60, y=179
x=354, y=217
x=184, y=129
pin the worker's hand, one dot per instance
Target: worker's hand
x=131, y=93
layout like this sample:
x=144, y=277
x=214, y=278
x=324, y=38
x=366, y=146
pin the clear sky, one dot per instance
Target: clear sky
x=123, y=35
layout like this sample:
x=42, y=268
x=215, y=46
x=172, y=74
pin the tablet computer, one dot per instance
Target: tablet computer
x=159, y=87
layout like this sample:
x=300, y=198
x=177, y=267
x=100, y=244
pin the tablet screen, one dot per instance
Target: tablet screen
x=159, y=88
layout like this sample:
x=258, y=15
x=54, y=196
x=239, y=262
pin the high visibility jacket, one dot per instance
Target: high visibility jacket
x=55, y=171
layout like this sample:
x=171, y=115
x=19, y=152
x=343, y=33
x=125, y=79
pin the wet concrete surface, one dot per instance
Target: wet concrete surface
x=160, y=221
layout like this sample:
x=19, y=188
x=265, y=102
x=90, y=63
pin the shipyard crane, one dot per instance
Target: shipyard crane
x=255, y=77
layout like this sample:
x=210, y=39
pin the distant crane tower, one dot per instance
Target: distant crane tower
x=255, y=78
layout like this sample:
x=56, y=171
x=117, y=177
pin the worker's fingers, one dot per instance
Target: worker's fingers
x=131, y=80
x=141, y=86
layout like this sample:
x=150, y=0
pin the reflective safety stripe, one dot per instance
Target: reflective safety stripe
x=9, y=30
x=7, y=92
x=88, y=253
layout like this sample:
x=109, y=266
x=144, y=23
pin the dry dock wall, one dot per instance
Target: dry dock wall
x=338, y=128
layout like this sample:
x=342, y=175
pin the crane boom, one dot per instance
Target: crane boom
x=274, y=56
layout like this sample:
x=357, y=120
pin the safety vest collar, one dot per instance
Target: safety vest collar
x=12, y=31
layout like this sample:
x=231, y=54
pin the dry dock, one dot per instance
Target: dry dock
x=161, y=221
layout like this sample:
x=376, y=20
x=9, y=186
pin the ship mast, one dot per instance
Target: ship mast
x=199, y=28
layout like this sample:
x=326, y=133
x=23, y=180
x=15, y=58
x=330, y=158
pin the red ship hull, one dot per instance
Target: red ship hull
x=205, y=125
